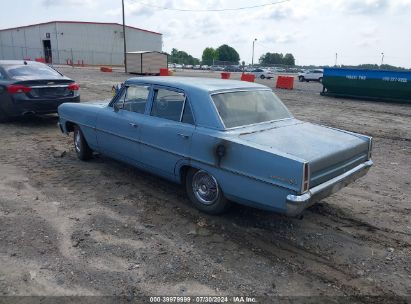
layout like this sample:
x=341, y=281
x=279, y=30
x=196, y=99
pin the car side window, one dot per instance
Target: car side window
x=187, y=114
x=168, y=104
x=134, y=99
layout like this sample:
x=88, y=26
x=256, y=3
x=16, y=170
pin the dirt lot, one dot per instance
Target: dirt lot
x=103, y=228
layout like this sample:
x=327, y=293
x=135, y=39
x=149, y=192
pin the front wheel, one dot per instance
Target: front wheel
x=301, y=78
x=83, y=151
x=3, y=117
x=320, y=79
x=262, y=76
x=205, y=193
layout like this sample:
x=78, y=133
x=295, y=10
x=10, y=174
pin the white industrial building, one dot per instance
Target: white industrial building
x=59, y=42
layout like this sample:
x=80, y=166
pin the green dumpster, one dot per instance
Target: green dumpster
x=367, y=84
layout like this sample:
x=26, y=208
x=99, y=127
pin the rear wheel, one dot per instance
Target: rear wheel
x=205, y=193
x=320, y=79
x=83, y=151
x=262, y=76
x=301, y=78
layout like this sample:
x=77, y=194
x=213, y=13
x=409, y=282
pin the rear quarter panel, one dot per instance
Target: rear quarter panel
x=246, y=174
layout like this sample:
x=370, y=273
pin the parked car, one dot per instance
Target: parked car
x=28, y=87
x=224, y=140
x=232, y=68
x=309, y=75
x=262, y=73
x=217, y=68
x=277, y=70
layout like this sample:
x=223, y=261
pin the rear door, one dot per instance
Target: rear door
x=118, y=125
x=166, y=132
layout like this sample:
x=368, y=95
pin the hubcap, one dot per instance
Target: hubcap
x=205, y=187
x=77, y=141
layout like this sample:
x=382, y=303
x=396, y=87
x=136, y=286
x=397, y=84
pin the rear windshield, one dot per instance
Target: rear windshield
x=249, y=107
x=39, y=70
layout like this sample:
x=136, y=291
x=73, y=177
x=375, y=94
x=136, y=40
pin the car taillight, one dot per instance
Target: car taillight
x=16, y=88
x=306, y=177
x=74, y=86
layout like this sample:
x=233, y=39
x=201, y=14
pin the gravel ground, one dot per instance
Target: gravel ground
x=102, y=228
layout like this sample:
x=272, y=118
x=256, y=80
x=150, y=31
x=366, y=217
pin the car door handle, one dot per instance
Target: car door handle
x=185, y=136
x=133, y=125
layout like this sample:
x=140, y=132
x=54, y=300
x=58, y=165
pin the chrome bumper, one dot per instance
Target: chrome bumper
x=295, y=204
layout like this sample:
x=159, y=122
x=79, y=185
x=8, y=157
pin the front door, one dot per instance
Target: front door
x=166, y=133
x=47, y=51
x=118, y=125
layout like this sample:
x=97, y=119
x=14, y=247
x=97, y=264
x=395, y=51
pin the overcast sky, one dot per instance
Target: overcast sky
x=313, y=30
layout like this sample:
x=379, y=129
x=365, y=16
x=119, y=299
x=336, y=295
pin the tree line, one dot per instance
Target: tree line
x=226, y=53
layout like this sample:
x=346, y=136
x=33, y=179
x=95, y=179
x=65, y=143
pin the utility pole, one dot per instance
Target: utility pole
x=336, y=59
x=124, y=34
x=382, y=59
x=252, y=57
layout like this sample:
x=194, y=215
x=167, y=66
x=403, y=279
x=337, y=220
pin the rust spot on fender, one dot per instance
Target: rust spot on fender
x=220, y=151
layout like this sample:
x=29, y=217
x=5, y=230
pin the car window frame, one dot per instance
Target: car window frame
x=186, y=100
x=125, y=87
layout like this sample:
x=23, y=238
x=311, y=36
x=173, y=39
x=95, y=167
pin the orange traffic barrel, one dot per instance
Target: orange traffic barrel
x=285, y=82
x=248, y=77
x=164, y=72
x=225, y=75
x=106, y=69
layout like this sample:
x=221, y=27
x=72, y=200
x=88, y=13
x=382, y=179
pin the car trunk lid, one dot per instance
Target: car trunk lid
x=48, y=88
x=330, y=152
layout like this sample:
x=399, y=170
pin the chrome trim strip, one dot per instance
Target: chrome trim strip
x=50, y=86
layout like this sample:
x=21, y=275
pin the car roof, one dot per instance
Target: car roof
x=18, y=62
x=196, y=83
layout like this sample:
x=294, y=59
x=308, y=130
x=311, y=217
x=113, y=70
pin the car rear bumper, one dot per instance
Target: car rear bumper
x=20, y=107
x=295, y=204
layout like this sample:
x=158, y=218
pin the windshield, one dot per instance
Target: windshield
x=40, y=70
x=249, y=107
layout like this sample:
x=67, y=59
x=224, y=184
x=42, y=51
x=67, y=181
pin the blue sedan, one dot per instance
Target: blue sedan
x=224, y=140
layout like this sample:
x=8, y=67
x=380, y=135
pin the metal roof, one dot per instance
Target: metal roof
x=80, y=22
x=144, y=52
x=197, y=83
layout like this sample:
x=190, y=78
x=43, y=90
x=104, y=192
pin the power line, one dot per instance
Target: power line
x=210, y=10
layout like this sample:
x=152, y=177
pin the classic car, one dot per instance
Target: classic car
x=224, y=140
x=29, y=87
